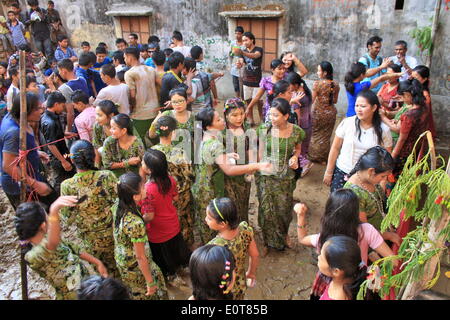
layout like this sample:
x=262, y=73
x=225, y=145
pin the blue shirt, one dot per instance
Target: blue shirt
x=78, y=84
x=373, y=64
x=149, y=62
x=9, y=143
x=351, y=98
x=85, y=75
x=97, y=65
x=17, y=33
x=60, y=55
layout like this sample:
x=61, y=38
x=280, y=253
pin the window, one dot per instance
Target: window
x=137, y=25
x=266, y=34
x=399, y=4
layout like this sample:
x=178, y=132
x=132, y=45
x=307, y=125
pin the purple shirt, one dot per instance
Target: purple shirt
x=266, y=84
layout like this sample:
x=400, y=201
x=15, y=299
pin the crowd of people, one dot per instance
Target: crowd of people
x=132, y=149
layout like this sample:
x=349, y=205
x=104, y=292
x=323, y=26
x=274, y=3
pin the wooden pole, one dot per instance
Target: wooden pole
x=23, y=163
x=437, y=10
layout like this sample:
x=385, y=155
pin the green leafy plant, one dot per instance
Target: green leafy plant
x=422, y=194
x=423, y=39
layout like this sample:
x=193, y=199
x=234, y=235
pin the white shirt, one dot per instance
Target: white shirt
x=119, y=94
x=353, y=147
x=186, y=51
x=10, y=95
x=410, y=61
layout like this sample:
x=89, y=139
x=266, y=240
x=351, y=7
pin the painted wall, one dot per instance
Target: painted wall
x=316, y=30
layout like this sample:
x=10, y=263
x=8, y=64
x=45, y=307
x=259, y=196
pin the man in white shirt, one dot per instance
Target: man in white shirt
x=13, y=90
x=116, y=91
x=178, y=44
x=407, y=63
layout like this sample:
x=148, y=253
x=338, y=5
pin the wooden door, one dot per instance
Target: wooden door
x=137, y=25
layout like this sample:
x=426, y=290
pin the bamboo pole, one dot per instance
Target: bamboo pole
x=23, y=163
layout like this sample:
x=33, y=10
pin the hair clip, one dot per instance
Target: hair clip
x=24, y=243
x=228, y=263
x=225, y=276
x=221, y=286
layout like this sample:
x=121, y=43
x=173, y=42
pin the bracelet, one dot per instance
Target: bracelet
x=301, y=227
x=126, y=165
x=151, y=284
x=328, y=174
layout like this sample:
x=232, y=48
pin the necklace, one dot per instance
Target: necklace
x=377, y=199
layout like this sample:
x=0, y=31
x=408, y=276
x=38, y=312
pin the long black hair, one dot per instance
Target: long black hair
x=414, y=87
x=231, y=105
x=372, y=99
x=344, y=253
x=357, y=69
x=341, y=216
x=129, y=186
x=156, y=161
x=32, y=105
x=275, y=63
x=83, y=155
x=377, y=158
x=295, y=79
x=227, y=209
x=278, y=88
x=424, y=72
x=124, y=122
x=29, y=218
x=208, y=266
x=328, y=68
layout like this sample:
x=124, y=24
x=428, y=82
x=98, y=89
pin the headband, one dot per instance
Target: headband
x=218, y=211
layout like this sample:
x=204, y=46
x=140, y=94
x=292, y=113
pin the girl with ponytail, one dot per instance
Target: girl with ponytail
x=137, y=269
x=354, y=83
x=96, y=192
x=341, y=218
x=57, y=261
x=169, y=250
x=267, y=86
x=354, y=136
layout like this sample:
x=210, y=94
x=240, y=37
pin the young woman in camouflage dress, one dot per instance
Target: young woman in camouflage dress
x=185, y=120
x=122, y=151
x=57, y=261
x=97, y=192
x=237, y=140
x=132, y=254
x=371, y=170
x=212, y=164
x=222, y=216
x=180, y=168
x=280, y=143
x=104, y=112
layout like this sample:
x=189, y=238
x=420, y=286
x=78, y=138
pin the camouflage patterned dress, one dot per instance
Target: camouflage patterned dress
x=92, y=216
x=113, y=153
x=275, y=191
x=181, y=170
x=188, y=125
x=62, y=268
x=208, y=184
x=132, y=230
x=236, y=187
x=239, y=247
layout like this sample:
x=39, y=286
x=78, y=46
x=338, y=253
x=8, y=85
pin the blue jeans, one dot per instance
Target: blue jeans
x=44, y=46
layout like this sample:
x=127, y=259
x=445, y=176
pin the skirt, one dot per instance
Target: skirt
x=171, y=255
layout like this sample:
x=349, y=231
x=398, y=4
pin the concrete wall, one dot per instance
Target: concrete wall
x=316, y=30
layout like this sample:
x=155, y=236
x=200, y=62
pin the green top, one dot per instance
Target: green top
x=284, y=148
x=62, y=267
x=113, y=153
x=397, y=117
x=131, y=230
x=239, y=247
x=98, y=191
x=208, y=174
x=370, y=203
x=189, y=125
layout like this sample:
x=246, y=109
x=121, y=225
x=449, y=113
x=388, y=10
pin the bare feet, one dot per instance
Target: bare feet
x=289, y=243
x=307, y=168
